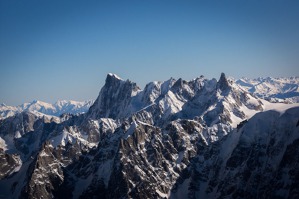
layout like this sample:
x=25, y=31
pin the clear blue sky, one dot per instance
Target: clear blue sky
x=59, y=49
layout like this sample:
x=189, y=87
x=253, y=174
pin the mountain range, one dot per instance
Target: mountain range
x=43, y=108
x=273, y=89
x=284, y=89
x=203, y=138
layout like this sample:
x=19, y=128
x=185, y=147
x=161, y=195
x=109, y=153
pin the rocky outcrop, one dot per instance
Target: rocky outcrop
x=10, y=163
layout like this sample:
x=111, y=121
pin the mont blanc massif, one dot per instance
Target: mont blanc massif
x=204, y=138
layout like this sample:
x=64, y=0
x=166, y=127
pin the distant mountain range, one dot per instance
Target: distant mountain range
x=273, y=89
x=204, y=138
x=39, y=107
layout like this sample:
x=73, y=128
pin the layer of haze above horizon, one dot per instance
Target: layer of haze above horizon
x=52, y=50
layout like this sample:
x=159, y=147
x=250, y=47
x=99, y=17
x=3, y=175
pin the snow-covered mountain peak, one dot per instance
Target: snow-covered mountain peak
x=114, y=76
x=41, y=103
x=113, y=80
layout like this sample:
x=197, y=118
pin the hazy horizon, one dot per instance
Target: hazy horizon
x=52, y=50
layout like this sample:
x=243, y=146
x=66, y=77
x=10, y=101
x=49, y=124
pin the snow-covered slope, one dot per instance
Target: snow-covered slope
x=273, y=89
x=172, y=139
x=39, y=107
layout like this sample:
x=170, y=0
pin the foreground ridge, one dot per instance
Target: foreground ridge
x=173, y=139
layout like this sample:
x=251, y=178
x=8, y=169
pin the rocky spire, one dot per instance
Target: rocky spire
x=112, y=78
x=113, y=98
x=222, y=83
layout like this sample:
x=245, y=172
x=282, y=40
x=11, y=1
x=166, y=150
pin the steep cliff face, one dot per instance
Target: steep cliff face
x=114, y=99
x=174, y=139
x=10, y=163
